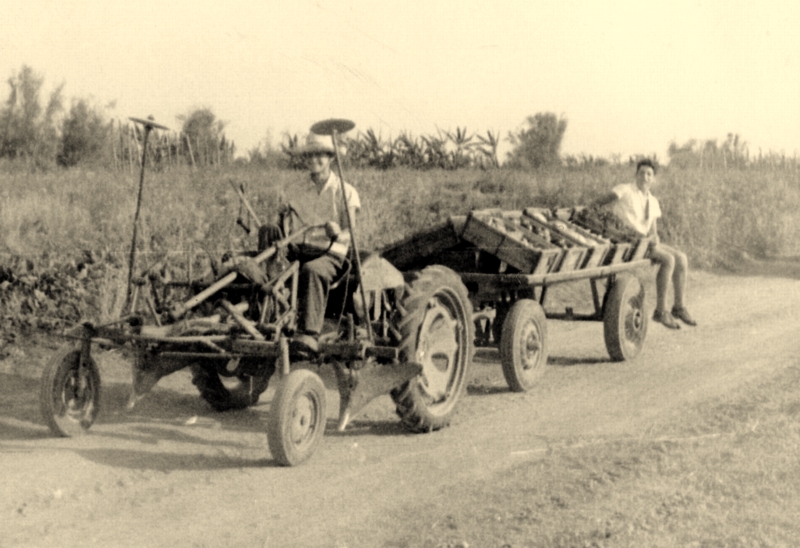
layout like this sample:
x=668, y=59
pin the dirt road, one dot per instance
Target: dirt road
x=174, y=473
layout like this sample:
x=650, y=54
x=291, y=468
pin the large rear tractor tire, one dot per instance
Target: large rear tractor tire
x=228, y=395
x=438, y=333
x=296, y=421
x=523, y=345
x=69, y=397
x=624, y=320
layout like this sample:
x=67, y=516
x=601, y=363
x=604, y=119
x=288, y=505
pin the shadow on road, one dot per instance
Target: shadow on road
x=567, y=361
x=479, y=390
x=486, y=354
x=367, y=427
x=168, y=462
x=21, y=419
x=19, y=401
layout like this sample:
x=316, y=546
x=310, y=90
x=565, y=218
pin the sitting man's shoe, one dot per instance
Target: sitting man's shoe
x=304, y=345
x=683, y=315
x=666, y=319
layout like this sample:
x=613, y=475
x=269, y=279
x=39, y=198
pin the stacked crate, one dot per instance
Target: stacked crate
x=627, y=245
x=532, y=241
x=505, y=235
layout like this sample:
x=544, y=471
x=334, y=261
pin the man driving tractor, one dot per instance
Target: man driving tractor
x=323, y=253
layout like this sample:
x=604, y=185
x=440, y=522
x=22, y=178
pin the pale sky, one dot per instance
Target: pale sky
x=630, y=76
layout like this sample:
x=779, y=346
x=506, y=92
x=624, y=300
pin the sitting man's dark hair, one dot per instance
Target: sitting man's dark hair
x=647, y=162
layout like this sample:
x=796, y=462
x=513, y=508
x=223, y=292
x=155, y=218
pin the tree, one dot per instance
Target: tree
x=205, y=137
x=84, y=134
x=538, y=144
x=26, y=129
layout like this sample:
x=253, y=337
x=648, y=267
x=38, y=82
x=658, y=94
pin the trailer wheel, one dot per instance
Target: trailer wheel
x=523, y=347
x=243, y=392
x=438, y=333
x=296, y=421
x=624, y=320
x=69, y=397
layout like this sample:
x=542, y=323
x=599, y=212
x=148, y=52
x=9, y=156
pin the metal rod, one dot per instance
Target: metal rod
x=245, y=324
x=132, y=258
x=352, y=232
x=181, y=308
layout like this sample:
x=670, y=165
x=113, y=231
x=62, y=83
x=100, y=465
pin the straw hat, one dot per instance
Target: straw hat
x=316, y=143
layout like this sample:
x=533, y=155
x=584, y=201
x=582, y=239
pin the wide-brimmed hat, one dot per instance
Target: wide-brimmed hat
x=316, y=144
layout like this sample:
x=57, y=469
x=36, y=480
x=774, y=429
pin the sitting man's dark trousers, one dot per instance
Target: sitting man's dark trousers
x=317, y=273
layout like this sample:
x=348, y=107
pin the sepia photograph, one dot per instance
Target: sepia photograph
x=350, y=274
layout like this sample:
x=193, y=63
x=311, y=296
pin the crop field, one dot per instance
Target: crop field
x=65, y=234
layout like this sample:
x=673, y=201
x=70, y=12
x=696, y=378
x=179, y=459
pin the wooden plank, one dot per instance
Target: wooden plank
x=518, y=281
x=596, y=255
x=572, y=259
x=422, y=245
x=510, y=243
x=618, y=253
x=640, y=250
x=567, y=230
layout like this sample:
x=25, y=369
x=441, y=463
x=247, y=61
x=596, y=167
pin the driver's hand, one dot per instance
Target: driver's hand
x=332, y=230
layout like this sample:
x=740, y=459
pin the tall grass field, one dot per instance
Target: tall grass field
x=65, y=235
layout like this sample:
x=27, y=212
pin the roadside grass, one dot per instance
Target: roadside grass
x=75, y=225
x=709, y=213
x=724, y=473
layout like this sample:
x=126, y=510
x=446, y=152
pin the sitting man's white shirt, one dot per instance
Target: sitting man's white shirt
x=328, y=206
x=638, y=209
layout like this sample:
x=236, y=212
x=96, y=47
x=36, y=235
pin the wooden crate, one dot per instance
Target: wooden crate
x=599, y=228
x=640, y=249
x=596, y=247
x=423, y=245
x=572, y=259
x=596, y=255
x=554, y=226
x=618, y=253
x=499, y=242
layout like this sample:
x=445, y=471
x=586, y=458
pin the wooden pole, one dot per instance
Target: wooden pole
x=189, y=145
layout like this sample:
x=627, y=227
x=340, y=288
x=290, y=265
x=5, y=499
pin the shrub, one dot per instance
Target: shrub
x=204, y=136
x=28, y=131
x=538, y=145
x=84, y=136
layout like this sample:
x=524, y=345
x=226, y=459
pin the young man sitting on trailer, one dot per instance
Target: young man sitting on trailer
x=638, y=208
x=321, y=206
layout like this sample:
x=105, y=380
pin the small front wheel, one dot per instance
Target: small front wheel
x=297, y=418
x=523, y=345
x=69, y=397
x=624, y=320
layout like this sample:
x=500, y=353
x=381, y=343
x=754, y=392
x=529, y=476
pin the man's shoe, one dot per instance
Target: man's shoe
x=666, y=319
x=304, y=346
x=683, y=315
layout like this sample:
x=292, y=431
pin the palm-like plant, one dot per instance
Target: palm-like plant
x=288, y=146
x=462, y=154
x=488, y=147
